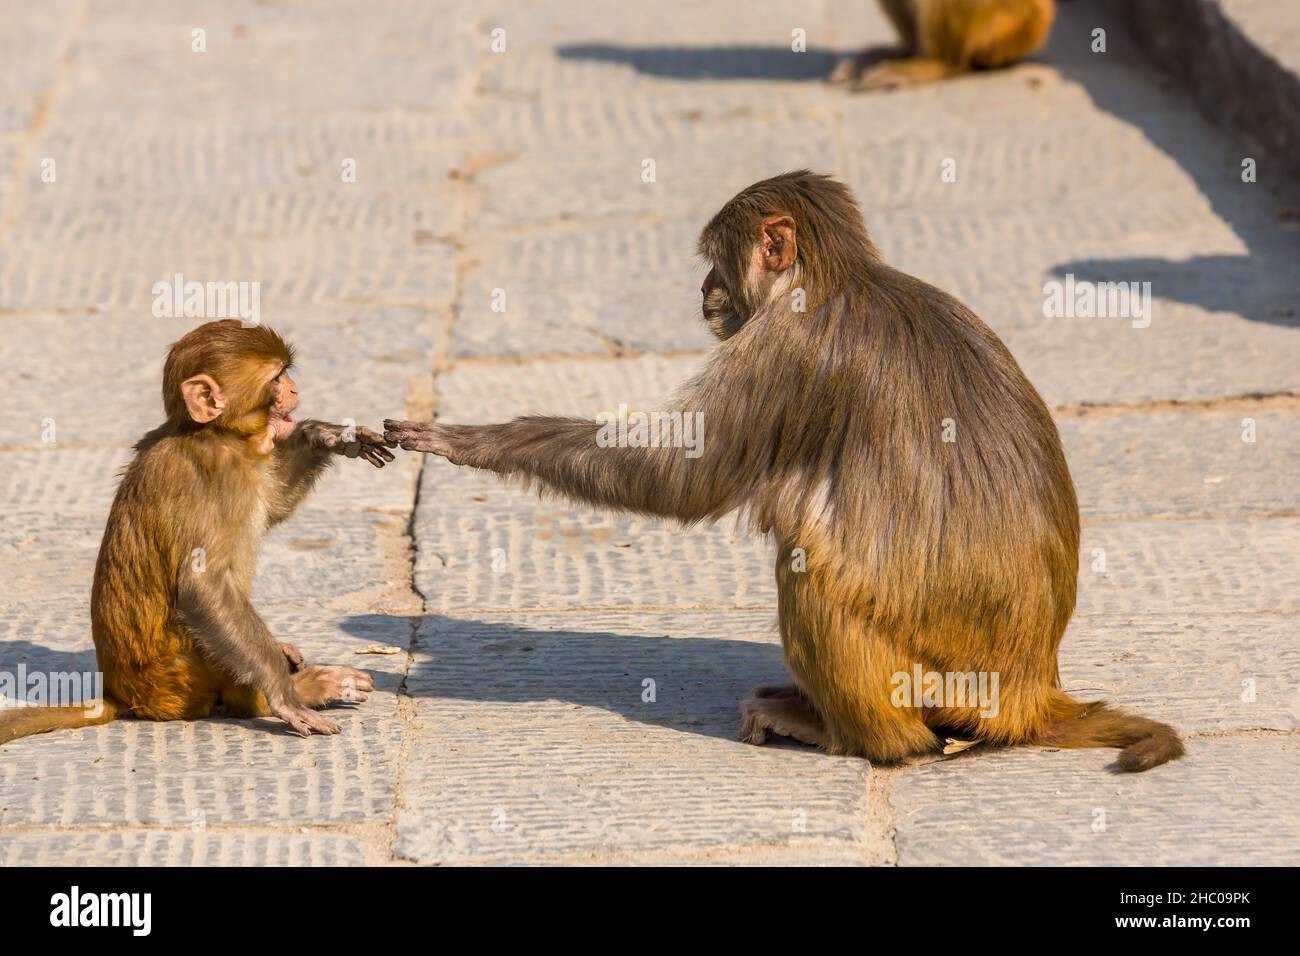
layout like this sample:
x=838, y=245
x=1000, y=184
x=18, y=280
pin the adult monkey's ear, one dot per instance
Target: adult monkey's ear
x=203, y=399
x=777, y=238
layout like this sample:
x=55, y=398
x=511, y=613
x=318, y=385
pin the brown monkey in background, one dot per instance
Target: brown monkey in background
x=174, y=630
x=829, y=407
x=942, y=38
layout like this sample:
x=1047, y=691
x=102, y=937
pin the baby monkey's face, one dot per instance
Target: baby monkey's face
x=284, y=400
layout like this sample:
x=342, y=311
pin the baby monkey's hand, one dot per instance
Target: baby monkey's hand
x=353, y=441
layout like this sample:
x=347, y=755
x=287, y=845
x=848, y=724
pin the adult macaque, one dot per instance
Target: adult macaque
x=174, y=630
x=942, y=38
x=911, y=477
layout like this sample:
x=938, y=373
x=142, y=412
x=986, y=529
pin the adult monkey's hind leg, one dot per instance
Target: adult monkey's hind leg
x=784, y=711
x=183, y=687
x=845, y=663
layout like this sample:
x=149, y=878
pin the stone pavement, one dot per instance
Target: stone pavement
x=514, y=723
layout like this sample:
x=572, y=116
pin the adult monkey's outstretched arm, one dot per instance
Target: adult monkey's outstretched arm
x=703, y=480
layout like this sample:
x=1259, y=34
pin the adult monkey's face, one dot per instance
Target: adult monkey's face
x=747, y=256
x=721, y=315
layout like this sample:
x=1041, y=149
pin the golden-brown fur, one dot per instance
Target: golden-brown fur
x=942, y=38
x=895, y=546
x=173, y=627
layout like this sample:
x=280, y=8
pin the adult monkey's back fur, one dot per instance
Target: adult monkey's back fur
x=826, y=406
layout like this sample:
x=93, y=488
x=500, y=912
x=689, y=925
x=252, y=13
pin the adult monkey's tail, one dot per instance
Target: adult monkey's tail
x=1143, y=743
x=18, y=722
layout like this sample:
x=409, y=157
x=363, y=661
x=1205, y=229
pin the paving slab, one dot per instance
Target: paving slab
x=285, y=60
x=482, y=544
x=1239, y=59
x=338, y=268
x=253, y=772
x=157, y=847
x=536, y=739
x=611, y=182
x=44, y=637
x=69, y=481
x=525, y=628
x=592, y=288
x=1208, y=673
x=358, y=363
x=1183, y=462
x=471, y=555
x=1229, y=801
x=1143, y=462
x=317, y=558
x=1188, y=568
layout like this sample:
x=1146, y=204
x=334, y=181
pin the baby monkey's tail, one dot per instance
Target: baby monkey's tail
x=1143, y=743
x=18, y=722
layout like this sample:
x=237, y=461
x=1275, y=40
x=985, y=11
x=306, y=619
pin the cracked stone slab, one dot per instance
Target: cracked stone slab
x=97, y=377
x=201, y=772
x=155, y=847
x=535, y=740
x=1228, y=799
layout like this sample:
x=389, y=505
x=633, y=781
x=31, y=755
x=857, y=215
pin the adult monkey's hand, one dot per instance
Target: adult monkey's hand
x=429, y=437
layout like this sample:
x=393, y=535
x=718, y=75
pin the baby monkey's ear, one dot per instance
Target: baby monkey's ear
x=203, y=399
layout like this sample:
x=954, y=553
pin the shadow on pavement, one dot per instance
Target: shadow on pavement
x=712, y=62
x=1261, y=285
x=697, y=680
x=46, y=660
